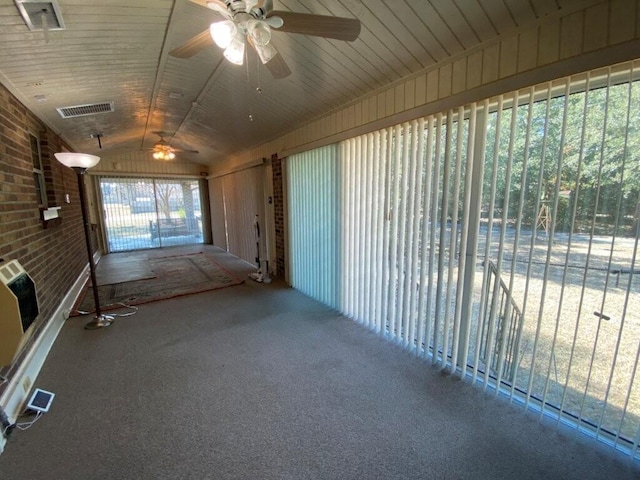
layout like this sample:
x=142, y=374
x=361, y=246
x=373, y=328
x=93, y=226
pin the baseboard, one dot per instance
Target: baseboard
x=17, y=391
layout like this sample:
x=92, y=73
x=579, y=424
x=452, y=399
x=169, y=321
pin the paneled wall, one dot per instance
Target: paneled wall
x=142, y=163
x=574, y=40
x=236, y=199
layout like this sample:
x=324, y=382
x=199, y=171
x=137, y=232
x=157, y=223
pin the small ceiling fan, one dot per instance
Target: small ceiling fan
x=163, y=151
x=252, y=22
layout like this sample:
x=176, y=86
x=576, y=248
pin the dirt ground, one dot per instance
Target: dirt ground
x=581, y=324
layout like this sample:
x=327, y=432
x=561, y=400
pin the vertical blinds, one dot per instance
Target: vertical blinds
x=313, y=195
x=497, y=240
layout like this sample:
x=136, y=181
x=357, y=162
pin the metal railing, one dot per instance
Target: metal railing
x=501, y=327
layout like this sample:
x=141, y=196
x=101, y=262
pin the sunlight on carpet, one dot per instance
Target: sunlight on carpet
x=174, y=276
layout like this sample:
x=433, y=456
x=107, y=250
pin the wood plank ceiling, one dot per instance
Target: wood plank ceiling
x=117, y=50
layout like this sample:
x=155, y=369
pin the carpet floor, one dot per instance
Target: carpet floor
x=260, y=382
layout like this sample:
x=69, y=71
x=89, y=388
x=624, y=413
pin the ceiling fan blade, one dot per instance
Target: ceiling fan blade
x=193, y=46
x=278, y=67
x=326, y=26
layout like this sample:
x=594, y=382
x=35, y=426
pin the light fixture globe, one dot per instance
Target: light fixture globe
x=77, y=160
x=266, y=52
x=223, y=32
x=259, y=32
x=235, y=51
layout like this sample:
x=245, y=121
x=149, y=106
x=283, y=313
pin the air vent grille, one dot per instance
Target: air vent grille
x=82, y=110
x=38, y=14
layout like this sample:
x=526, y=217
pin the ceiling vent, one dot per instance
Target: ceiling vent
x=82, y=110
x=41, y=15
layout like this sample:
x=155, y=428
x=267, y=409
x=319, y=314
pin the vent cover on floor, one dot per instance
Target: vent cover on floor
x=81, y=110
x=41, y=15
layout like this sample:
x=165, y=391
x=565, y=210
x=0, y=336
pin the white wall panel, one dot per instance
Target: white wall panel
x=622, y=21
x=549, y=43
x=571, y=35
x=459, y=75
x=243, y=200
x=218, y=216
x=490, y=64
x=596, y=27
x=444, y=80
x=508, y=56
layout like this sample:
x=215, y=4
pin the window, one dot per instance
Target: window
x=38, y=172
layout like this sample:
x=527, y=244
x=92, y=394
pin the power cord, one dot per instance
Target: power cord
x=133, y=311
x=27, y=425
x=8, y=427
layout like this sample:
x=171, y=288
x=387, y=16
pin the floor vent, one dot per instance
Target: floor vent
x=82, y=110
x=41, y=15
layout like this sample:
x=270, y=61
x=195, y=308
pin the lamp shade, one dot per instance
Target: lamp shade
x=79, y=160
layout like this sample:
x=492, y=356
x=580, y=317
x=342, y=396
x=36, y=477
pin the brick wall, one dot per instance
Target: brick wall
x=278, y=212
x=54, y=257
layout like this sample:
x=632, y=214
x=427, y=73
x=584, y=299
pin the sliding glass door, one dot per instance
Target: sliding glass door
x=144, y=213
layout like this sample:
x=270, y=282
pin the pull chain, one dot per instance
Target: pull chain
x=258, y=89
x=246, y=58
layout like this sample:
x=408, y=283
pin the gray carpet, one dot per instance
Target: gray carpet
x=259, y=382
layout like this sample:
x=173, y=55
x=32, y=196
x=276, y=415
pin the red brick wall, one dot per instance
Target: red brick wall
x=278, y=211
x=53, y=257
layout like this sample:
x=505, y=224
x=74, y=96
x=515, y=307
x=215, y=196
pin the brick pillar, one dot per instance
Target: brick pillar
x=278, y=212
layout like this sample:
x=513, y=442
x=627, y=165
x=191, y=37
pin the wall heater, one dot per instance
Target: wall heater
x=18, y=308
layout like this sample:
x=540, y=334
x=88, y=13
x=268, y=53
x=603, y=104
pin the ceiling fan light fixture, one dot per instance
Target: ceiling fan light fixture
x=266, y=52
x=223, y=33
x=259, y=32
x=164, y=155
x=235, y=51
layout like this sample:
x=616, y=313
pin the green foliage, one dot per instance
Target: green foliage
x=596, y=159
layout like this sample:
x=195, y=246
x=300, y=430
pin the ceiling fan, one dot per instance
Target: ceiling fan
x=252, y=22
x=163, y=151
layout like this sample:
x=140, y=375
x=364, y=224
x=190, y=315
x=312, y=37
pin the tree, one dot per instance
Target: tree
x=165, y=192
